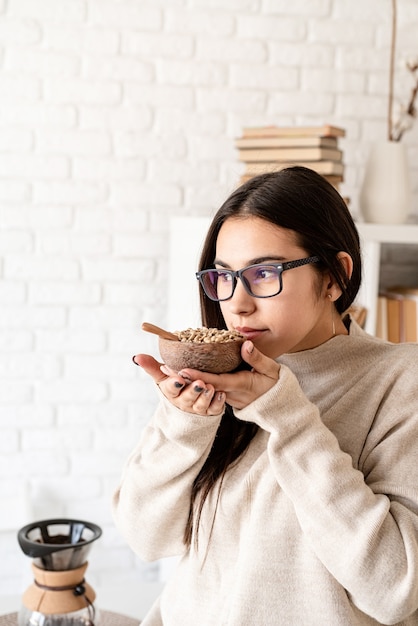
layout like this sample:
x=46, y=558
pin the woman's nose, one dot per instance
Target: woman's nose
x=241, y=302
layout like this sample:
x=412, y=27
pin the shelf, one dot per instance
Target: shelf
x=372, y=237
x=389, y=233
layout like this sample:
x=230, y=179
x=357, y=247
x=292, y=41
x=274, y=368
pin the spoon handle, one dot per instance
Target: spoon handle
x=156, y=330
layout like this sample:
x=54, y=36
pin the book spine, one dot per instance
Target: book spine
x=295, y=131
x=286, y=142
x=321, y=167
x=397, y=315
x=290, y=154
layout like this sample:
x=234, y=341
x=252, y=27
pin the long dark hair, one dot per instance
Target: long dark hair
x=302, y=201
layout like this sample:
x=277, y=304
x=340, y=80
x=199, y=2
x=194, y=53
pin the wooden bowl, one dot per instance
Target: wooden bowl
x=216, y=357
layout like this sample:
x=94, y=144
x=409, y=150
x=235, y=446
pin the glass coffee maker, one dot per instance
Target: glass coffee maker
x=59, y=594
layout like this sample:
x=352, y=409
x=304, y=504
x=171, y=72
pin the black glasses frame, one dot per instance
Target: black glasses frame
x=279, y=267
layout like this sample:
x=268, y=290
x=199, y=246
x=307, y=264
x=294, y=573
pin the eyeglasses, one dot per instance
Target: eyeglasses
x=260, y=281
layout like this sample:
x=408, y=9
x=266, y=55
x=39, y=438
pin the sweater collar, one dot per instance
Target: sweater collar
x=325, y=355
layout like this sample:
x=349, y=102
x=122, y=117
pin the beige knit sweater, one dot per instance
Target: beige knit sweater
x=317, y=523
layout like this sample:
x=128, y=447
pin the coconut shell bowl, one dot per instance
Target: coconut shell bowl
x=205, y=349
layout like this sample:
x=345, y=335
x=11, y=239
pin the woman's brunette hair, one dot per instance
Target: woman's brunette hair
x=304, y=202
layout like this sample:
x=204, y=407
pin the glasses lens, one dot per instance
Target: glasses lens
x=263, y=281
x=218, y=284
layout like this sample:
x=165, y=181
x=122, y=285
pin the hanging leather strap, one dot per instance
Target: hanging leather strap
x=78, y=589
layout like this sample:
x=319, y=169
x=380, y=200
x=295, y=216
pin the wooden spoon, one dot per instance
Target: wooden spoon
x=156, y=330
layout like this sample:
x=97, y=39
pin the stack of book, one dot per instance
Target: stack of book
x=397, y=314
x=272, y=148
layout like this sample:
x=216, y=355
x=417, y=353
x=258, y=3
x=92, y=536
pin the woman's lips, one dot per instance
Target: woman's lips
x=249, y=333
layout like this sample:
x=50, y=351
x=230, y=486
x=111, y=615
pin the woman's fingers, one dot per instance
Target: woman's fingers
x=259, y=361
x=196, y=397
x=190, y=396
x=244, y=386
x=151, y=366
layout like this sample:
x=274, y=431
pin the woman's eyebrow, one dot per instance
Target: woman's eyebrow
x=262, y=259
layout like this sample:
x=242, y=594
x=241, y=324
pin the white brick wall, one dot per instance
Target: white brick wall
x=114, y=116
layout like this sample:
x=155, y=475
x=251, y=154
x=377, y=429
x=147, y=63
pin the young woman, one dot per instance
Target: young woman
x=290, y=487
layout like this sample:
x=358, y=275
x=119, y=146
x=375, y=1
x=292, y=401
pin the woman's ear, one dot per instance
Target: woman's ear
x=347, y=263
x=332, y=286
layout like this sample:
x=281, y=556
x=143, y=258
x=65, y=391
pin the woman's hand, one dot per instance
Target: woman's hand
x=242, y=387
x=191, y=396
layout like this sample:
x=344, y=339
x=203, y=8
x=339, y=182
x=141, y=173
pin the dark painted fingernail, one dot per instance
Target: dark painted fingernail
x=178, y=385
x=198, y=389
x=133, y=360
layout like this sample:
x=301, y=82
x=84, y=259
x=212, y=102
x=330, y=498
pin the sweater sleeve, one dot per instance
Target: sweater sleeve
x=362, y=525
x=151, y=504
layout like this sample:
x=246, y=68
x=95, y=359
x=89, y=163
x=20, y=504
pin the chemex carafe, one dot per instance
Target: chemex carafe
x=59, y=594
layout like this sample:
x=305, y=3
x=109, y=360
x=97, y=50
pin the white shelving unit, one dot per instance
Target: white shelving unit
x=372, y=237
x=186, y=239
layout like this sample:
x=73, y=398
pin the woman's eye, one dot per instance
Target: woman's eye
x=224, y=277
x=265, y=273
